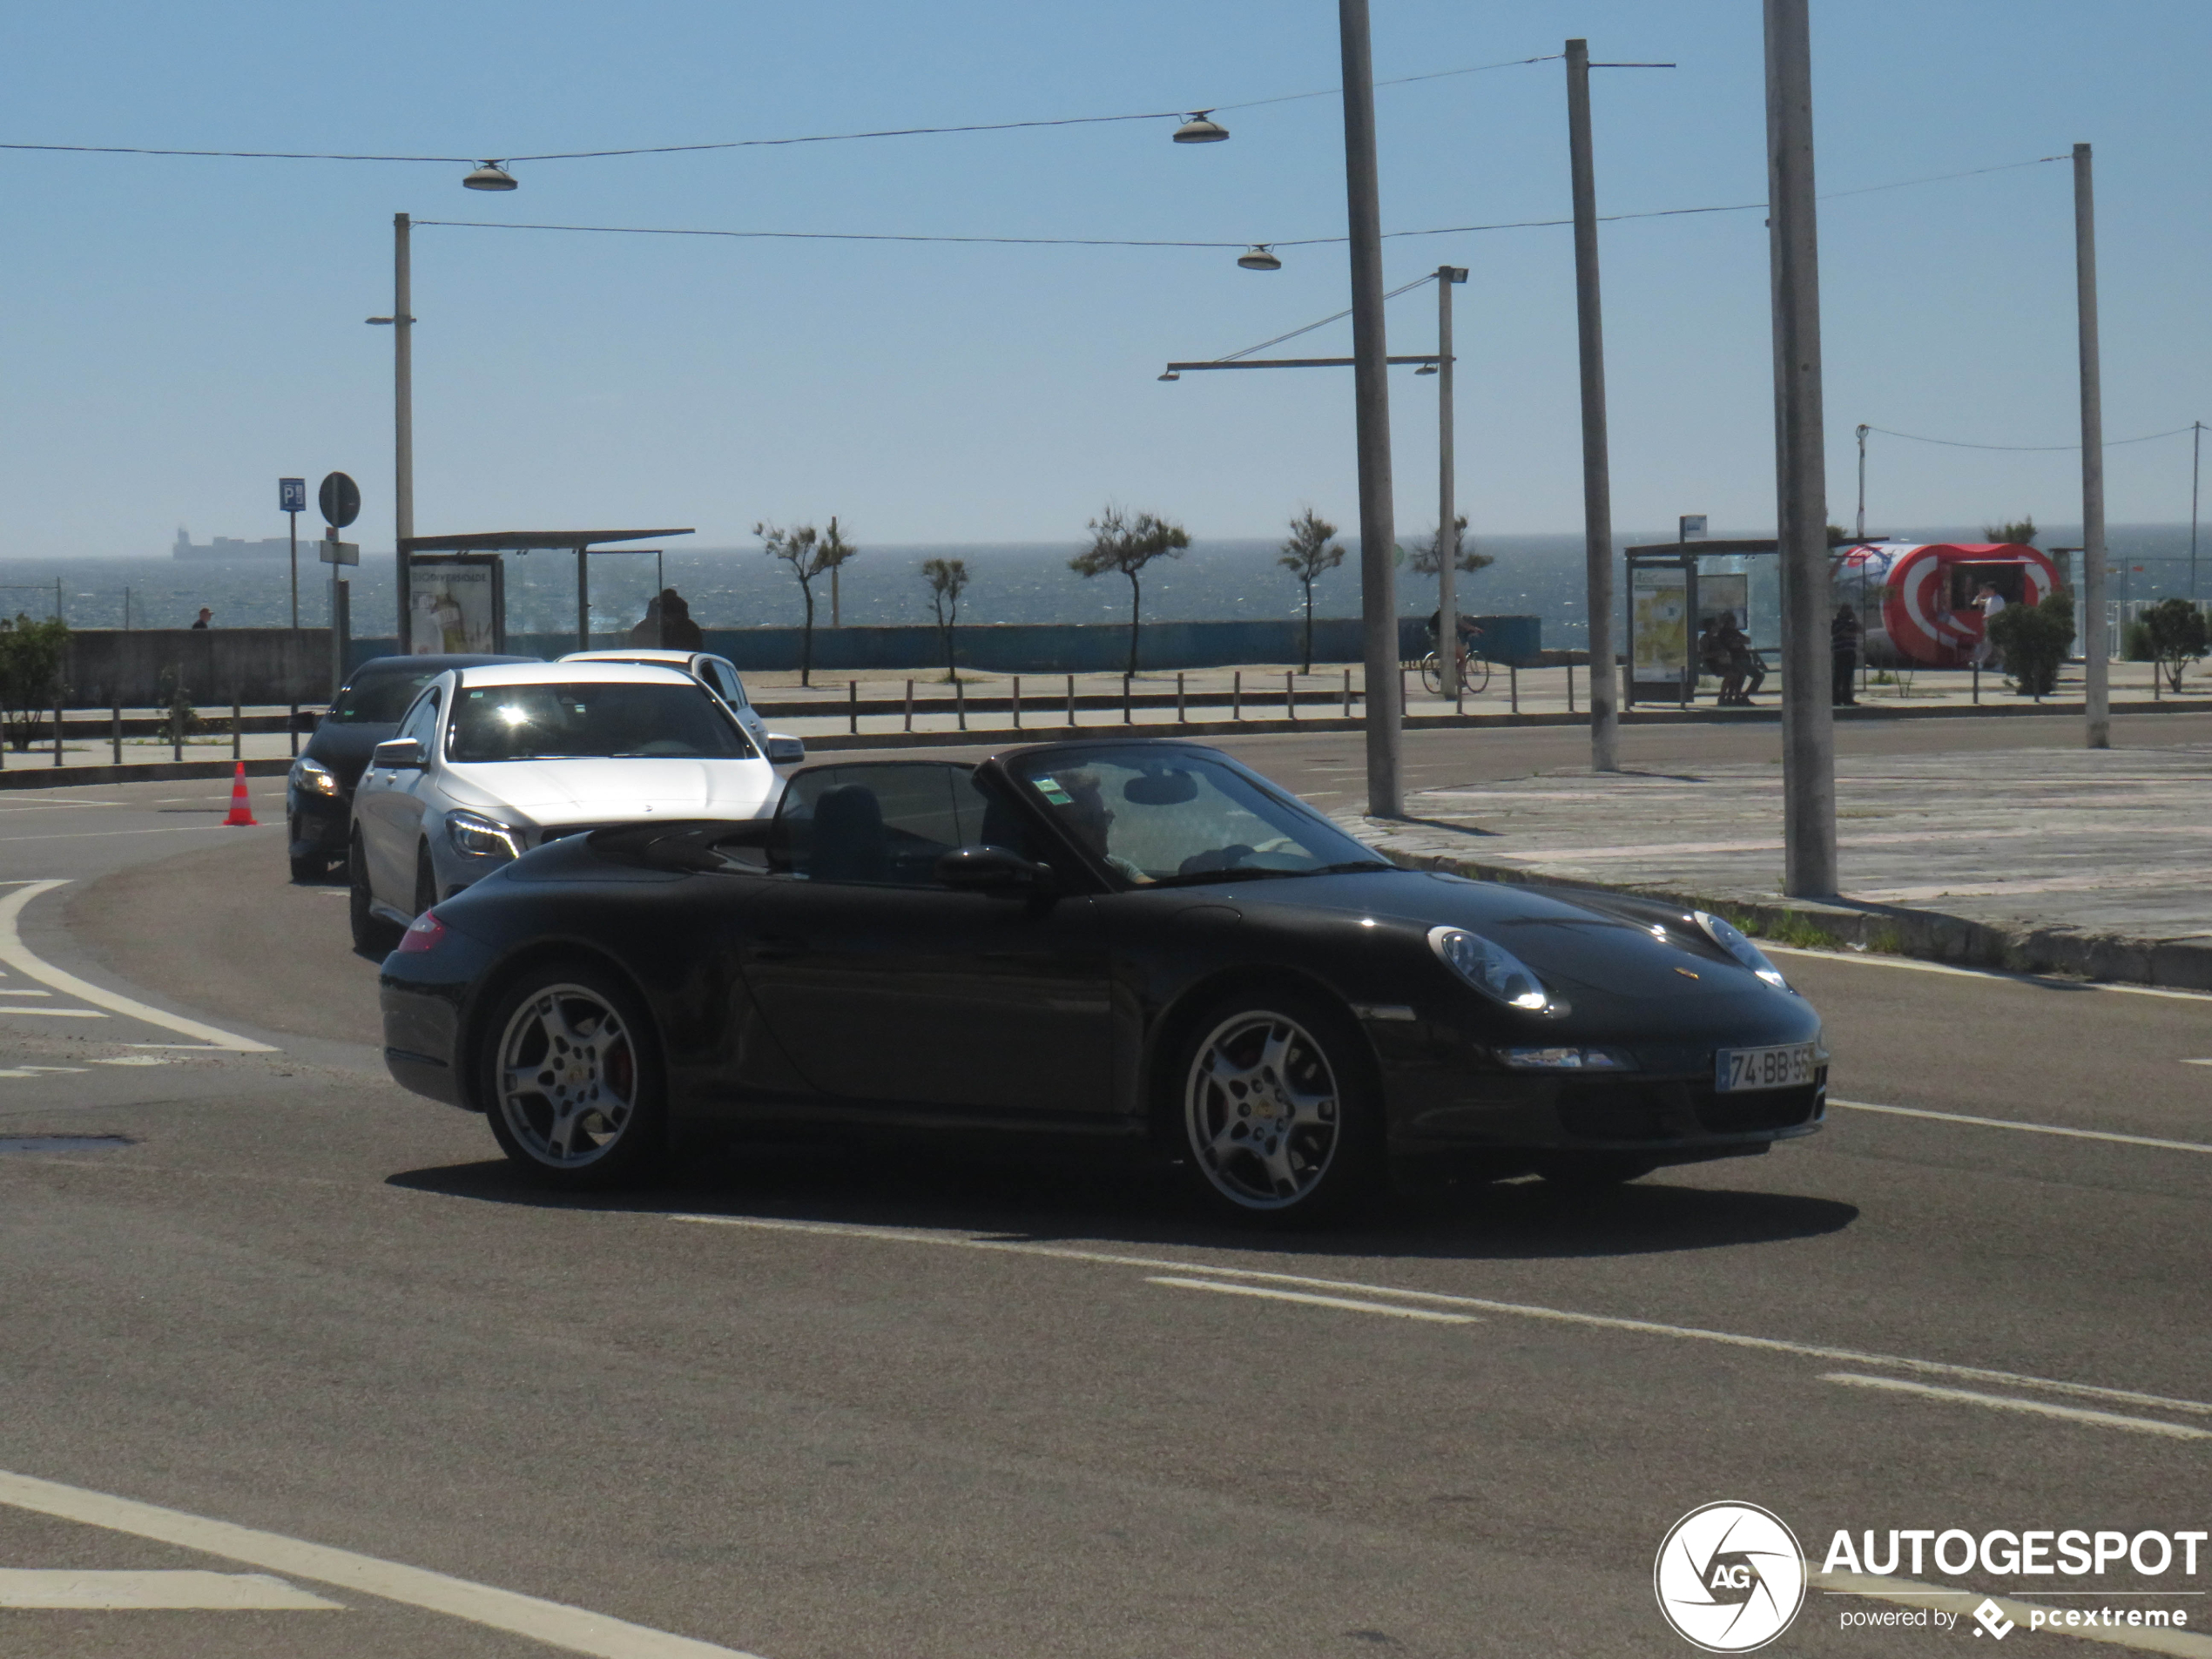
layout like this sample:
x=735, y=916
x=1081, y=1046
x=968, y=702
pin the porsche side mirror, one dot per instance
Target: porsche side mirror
x=992, y=869
x=398, y=754
x=786, y=751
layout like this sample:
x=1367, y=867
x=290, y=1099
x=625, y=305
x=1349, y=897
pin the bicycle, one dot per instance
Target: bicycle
x=1474, y=673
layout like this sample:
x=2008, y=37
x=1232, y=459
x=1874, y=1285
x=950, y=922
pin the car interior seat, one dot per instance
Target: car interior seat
x=847, y=843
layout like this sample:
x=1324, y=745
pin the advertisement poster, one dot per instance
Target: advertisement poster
x=454, y=606
x=1659, y=625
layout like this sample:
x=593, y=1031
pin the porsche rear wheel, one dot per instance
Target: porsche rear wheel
x=1278, y=1121
x=571, y=1076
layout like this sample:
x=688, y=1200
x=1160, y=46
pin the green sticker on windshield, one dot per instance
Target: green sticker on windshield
x=1050, y=789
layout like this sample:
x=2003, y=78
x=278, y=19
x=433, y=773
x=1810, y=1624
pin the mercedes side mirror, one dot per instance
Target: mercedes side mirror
x=992, y=869
x=398, y=754
x=786, y=751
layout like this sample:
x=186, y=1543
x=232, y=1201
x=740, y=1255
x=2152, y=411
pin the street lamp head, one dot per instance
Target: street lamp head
x=1425, y=368
x=1259, y=258
x=489, y=175
x=1199, y=129
x=1170, y=375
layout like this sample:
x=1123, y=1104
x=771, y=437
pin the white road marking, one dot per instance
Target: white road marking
x=2027, y=1129
x=1522, y=1310
x=1905, y=1592
x=1311, y=1300
x=54, y=1013
x=1871, y=959
x=10, y=990
x=180, y=1590
x=550, y=1622
x=166, y=829
x=2197, y=1062
x=2008, y=1403
x=131, y=1060
x=14, y=953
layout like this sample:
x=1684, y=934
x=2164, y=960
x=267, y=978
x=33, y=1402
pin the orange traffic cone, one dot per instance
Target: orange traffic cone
x=241, y=811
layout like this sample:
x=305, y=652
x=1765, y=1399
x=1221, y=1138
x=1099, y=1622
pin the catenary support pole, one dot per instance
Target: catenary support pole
x=1597, y=467
x=2196, y=468
x=1858, y=530
x=1371, y=393
x=2095, y=669
x=1447, y=504
x=1808, y=723
x=402, y=417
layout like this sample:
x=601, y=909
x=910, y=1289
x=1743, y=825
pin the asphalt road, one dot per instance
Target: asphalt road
x=810, y=1402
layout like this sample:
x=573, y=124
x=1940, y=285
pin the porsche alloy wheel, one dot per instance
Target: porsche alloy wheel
x=573, y=1082
x=1273, y=1121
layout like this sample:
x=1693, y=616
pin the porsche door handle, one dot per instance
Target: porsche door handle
x=777, y=948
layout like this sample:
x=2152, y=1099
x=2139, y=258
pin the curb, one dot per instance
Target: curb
x=1891, y=930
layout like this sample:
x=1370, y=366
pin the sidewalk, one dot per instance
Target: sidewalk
x=2072, y=860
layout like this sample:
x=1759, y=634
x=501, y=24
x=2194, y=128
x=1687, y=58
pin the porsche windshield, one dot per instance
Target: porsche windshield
x=587, y=719
x=1158, y=816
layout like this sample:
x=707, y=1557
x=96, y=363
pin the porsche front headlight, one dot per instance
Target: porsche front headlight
x=1731, y=939
x=1490, y=968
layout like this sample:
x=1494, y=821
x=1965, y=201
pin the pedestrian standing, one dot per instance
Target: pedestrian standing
x=1843, y=656
x=1989, y=602
x=207, y=616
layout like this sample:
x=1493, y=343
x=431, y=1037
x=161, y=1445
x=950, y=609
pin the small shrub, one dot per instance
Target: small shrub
x=2173, y=635
x=2033, y=640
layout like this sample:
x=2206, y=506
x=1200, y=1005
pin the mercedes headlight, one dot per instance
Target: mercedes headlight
x=1490, y=968
x=1731, y=939
x=483, y=838
x=315, y=779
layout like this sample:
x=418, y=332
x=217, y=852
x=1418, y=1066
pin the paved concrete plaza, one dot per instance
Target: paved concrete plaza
x=2091, y=844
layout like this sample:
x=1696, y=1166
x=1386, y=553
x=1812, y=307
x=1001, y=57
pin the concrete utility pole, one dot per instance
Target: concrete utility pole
x=402, y=417
x=1801, y=461
x=1447, y=502
x=1370, y=391
x=2095, y=677
x=1597, y=465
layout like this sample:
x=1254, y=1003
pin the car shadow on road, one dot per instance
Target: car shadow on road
x=1039, y=1200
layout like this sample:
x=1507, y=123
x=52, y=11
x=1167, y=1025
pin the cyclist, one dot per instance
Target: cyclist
x=1467, y=631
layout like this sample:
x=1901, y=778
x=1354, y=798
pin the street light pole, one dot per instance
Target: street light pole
x=1858, y=530
x=2196, y=466
x=1370, y=391
x=1447, y=505
x=1800, y=529
x=402, y=417
x=1597, y=465
x=2095, y=675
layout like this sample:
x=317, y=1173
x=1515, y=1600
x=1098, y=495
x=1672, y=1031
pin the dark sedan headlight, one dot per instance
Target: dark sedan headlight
x=313, y=777
x=1490, y=968
x=483, y=838
x=1731, y=939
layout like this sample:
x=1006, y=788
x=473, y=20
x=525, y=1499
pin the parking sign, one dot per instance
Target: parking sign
x=292, y=495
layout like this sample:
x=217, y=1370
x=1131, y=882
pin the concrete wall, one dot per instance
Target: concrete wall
x=105, y=665
x=1052, y=648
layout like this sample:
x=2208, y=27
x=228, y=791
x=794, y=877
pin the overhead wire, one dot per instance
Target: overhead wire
x=2026, y=448
x=752, y=143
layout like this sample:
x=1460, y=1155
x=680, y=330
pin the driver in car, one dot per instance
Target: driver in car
x=1079, y=802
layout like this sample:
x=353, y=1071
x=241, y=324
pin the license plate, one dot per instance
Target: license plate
x=1738, y=1070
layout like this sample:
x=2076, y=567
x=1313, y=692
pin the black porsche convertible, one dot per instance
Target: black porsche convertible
x=1140, y=942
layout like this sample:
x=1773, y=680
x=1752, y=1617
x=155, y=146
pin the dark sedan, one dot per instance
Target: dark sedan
x=1133, y=942
x=318, y=795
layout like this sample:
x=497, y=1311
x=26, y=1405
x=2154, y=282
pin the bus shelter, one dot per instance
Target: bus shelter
x=453, y=588
x=1670, y=598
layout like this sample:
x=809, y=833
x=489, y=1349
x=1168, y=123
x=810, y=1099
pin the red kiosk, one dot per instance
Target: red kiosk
x=1916, y=600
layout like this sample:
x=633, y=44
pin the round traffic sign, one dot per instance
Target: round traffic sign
x=340, y=500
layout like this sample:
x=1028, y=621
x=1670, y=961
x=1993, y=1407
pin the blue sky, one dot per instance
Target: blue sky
x=178, y=333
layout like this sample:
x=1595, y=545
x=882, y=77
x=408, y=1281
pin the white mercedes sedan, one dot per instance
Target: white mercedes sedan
x=489, y=762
